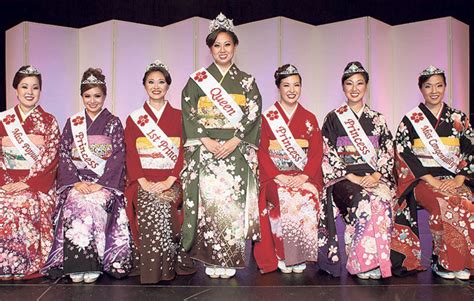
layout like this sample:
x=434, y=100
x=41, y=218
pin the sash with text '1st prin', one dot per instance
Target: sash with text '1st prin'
x=431, y=140
x=17, y=135
x=79, y=134
x=155, y=135
x=285, y=138
x=356, y=134
x=216, y=93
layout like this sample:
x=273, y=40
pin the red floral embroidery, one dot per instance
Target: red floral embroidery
x=342, y=110
x=200, y=76
x=417, y=117
x=272, y=115
x=142, y=120
x=78, y=120
x=9, y=119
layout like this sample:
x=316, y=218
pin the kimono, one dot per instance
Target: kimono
x=26, y=233
x=221, y=195
x=289, y=216
x=155, y=219
x=451, y=214
x=367, y=212
x=91, y=230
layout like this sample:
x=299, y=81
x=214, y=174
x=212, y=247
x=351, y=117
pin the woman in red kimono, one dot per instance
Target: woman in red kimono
x=154, y=160
x=28, y=162
x=289, y=156
x=437, y=178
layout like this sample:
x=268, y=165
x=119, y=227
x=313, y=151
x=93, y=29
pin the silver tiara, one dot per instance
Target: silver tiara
x=354, y=69
x=221, y=22
x=92, y=80
x=30, y=71
x=289, y=70
x=431, y=70
x=157, y=64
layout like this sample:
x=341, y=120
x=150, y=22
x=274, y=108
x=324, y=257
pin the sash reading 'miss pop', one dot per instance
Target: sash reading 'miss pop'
x=155, y=135
x=17, y=135
x=79, y=134
x=285, y=138
x=216, y=93
x=432, y=141
x=357, y=135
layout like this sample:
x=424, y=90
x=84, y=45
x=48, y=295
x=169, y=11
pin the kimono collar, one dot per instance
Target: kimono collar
x=157, y=113
x=96, y=115
x=289, y=115
x=426, y=110
x=361, y=111
x=223, y=72
x=24, y=115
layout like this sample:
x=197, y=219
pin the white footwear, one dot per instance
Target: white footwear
x=228, y=273
x=299, y=268
x=77, y=277
x=91, y=277
x=211, y=272
x=375, y=274
x=283, y=268
x=463, y=275
x=363, y=275
x=445, y=275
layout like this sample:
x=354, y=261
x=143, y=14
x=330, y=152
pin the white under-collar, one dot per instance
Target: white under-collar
x=25, y=115
x=289, y=115
x=159, y=112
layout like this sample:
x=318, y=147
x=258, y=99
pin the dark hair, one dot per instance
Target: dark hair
x=424, y=78
x=279, y=77
x=165, y=73
x=97, y=72
x=20, y=76
x=347, y=75
x=211, y=38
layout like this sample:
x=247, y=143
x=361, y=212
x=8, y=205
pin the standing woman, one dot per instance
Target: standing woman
x=357, y=166
x=290, y=157
x=154, y=161
x=221, y=117
x=28, y=162
x=434, y=163
x=91, y=232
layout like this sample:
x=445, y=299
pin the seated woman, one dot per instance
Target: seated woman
x=434, y=164
x=91, y=232
x=154, y=161
x=357, y=166
x=289, y=156
x=28, y=162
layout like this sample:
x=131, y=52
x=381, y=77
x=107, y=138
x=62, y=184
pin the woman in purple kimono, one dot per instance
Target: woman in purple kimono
x=92, y=233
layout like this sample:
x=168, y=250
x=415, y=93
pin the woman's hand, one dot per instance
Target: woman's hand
x=165, y=185
x=14, y=187
x=227, y=148
x=298, y=180
x=451, y=184
x=211, y=145
x=83, y=187
x=147, y=185
x=353, y=178
x=435, y=182
x=283, y=179
x=370, y=181
x=94, y=187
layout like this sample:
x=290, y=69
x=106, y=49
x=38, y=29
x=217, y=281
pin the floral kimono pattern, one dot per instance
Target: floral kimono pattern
x=26, y=233
x=367, y=212
x=289, y=216
x=220, y=195
x=91, y=230
x=451, y=214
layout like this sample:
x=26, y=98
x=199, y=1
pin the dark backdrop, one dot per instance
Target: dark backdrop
x=80, y=13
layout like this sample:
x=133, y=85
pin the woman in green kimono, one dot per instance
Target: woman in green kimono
x=221, y=108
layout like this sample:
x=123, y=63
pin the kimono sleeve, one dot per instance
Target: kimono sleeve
x=249, y=129
x=134, y=166
x=265, y=162
x=466, y=164
x=114, y=167
x=334, y=168
x=192, y=129
x=180, y=162
x=385, y=156
x=43, y=173
x=315, y=155
x=404, y=139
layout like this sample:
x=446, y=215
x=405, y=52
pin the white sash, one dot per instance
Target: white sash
x=431, y=140
x=221, y=99
x=17, y=135
x=155, y=135
x=285, y=138
x=79, y=134
x=357, y=135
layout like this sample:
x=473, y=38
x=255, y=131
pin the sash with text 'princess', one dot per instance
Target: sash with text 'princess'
x=79, y=134
x=285, y=138
x=356, y=134
x=155, y=135
x=17, y=135
x=216, y=93
x=432, y=141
